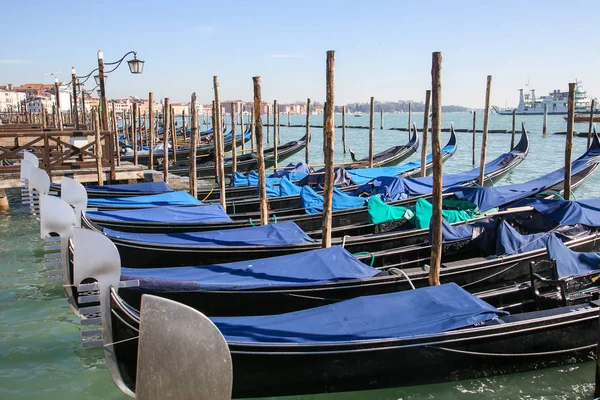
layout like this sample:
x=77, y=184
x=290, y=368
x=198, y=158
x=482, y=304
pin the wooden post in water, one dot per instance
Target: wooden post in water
x=166, y=140
x=274, y=120
x=486, y=120
x=590, y=129
x=262, y=191
x=328, y=147
x=278, y=126
x=307, y=149
x=134, y=132
x=252, y=128
x=242, y=130
x=436, y=129
x=174, y=134
x=344, y=128
x=514, y=129
x=268, y=121
x=219, y=133
x=545, y=123
x=474, y=135
x=117, y=146
x=289, y=119
x=193, y=145
x=234, y=140
x=151, y=132
x=381, y=115
x=183, y=130
x=425, y=133
x=98, y=150
x=569, y=143
x=275, y=133
x=409, y=118
x=45, y=119
x=371, y=123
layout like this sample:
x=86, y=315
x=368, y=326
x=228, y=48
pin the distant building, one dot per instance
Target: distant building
x=39, y=103
x=10, y=99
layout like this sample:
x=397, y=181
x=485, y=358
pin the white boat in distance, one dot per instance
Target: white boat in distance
x=556, y=101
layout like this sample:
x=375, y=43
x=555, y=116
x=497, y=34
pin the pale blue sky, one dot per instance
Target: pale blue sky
x=383, y=48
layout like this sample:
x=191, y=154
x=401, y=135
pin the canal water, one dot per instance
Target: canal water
x=40, y=356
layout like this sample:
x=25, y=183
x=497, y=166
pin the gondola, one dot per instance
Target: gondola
x=390, y=157
x=183, y=152
x=409, y=169
x=190, y=248
x=484, y=254
x=291, y=205
x=121, y=190
x=357, y=217
x=245, y=162
x=446, y=334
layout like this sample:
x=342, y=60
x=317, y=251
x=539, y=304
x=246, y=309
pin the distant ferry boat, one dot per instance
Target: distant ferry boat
x=556, y=101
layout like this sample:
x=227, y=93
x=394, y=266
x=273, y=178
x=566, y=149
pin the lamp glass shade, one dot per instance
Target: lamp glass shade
x=97, y=79
x=99, y=93
x=136, y=66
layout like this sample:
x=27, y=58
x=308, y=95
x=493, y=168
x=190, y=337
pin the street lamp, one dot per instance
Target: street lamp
x=136, y=66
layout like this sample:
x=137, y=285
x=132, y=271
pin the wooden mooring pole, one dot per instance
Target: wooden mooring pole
x=275, y=132
x=436, y=129
x=99, y=171
x=116, y=136
x=514, y=129
x=193, y=145
x=381, y=117
x=409, y=118
x=173, y=134
x=328, y=147
x=151, y=132
x=242, y=130
x=262, y=191
x=474, y=135
x=371, y=123
x=545, y=122
x=425, y=133
x=234, y=140
x=591, y=127
x=344, y=128
x=268, y=122
x=307, y=149
x=486, y=120
x=166, y=114
x=219, y=133
x=278, y=126
x=134, y=133
x=569, y=142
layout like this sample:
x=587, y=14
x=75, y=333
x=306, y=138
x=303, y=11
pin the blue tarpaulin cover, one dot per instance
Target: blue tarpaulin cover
x=313, y=202
x=565, y=212
x=569, y=262
x=299, y=171
x=143, y=187
x=174, y=215
x=487, y=198
x=396, y=187
x=422, y=311
x=364, y=175
x=280, y=234
x=302, y=269
x=154, y=200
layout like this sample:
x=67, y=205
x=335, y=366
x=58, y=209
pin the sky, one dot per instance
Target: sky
x=383, y=48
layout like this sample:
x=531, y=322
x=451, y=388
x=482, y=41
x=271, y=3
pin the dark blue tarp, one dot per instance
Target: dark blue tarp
x=509, y=241
x=569, y=262
x=363, y=175
x=297, y=173
x=565, y=212
x=416, y=312
x=284, y=188
x=154, y=200
x=143, y=187
x=313, y=202
x=487, y=198
x=174, y=215
x=395, y=187
x=302, y=269
x=280, y=234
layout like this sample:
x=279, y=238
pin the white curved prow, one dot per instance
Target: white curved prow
x=25, y=172
x=75, y=195
x=96, y=257
x=39, y=185
x=57, y=218
x=28, y=156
